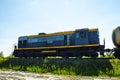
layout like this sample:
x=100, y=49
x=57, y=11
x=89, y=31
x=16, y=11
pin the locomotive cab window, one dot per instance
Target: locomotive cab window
x=81, y=35
x=77, y=35
x=23, y=42
x=20, y=42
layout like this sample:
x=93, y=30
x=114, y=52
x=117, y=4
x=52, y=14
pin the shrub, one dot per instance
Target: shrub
x=83, y=67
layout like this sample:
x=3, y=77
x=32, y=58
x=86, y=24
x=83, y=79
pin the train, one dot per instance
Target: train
x=76, y=43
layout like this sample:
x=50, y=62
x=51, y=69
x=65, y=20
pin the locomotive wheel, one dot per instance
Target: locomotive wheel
x=94, y=55
x=80, y=57
x=66, y=57
x=117, y=55
x=102, y=54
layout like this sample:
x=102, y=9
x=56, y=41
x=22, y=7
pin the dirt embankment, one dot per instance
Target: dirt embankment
x=18, y=75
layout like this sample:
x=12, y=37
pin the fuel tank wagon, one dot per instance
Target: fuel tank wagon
x=76, y=43
x=116, y=37
x=116, y=41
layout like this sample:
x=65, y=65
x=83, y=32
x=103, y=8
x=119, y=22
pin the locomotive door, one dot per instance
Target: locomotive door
x=81, y=37
x=24, y=43
x=66, y=40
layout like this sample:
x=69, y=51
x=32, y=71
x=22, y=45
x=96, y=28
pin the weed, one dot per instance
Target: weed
x=83, y=67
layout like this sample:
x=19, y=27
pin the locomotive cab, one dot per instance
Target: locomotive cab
x=22, y=42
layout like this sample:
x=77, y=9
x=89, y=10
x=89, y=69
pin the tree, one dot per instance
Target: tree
x=1, y=54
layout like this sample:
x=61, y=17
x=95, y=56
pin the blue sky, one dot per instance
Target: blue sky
x=28, y=17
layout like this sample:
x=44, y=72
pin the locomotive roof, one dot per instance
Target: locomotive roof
x=59, y=33
x=51, y=34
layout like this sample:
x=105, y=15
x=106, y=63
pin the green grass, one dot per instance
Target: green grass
x=83, y=67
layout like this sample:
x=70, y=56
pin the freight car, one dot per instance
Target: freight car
x=116, y=42
x=77, y=43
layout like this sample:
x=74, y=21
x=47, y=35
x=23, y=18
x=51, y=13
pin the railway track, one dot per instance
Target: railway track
x=59, y=58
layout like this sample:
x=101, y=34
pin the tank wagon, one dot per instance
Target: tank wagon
x=116, y=41
x=77, y=43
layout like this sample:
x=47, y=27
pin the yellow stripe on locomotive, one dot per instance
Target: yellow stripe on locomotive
x=57, y=47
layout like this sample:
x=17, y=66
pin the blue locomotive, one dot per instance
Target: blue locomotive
x=77, y=43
